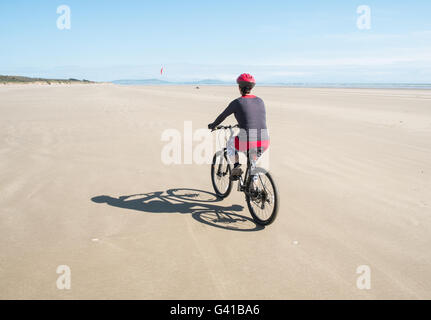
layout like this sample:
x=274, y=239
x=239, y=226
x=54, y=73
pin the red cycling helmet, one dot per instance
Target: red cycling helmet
x=246, y=80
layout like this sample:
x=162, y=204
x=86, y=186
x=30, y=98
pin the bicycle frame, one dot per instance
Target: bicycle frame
x=257, y=195
x=243, y=183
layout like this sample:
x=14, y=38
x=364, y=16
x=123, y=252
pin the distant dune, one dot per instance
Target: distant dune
x=20, y=79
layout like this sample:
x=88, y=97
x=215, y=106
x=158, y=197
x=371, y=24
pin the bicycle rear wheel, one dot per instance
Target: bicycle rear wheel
x=262, y=198
x=220, y=174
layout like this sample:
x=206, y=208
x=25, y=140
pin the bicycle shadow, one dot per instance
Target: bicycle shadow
x=200, y=204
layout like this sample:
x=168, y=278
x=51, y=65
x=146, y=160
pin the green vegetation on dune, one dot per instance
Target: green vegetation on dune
x=20, y=79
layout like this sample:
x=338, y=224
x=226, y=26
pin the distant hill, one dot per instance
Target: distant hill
x=143, y=81
x=20, y=79
x=211, y=81
x=161, y=82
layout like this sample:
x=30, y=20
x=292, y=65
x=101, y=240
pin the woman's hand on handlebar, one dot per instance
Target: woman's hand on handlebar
x=221, y=127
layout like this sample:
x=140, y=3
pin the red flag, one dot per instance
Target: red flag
x=161, y=71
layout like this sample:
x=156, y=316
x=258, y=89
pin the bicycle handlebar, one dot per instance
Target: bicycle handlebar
x=225, y=127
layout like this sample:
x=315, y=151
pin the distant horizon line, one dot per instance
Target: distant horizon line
x=307, y=84
x=214, y=81
x=233, y=82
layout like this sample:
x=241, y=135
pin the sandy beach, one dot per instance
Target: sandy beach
x=82, y=184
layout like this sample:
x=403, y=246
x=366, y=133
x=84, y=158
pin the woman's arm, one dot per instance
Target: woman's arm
x=227, y=112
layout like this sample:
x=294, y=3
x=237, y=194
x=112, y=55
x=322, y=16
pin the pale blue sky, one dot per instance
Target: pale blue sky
x=289, y=41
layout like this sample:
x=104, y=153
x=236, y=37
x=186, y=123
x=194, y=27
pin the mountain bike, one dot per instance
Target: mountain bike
x=257, y=184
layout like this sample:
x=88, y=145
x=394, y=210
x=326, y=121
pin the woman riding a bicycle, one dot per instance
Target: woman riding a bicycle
x=250, y=113
x=257, y=184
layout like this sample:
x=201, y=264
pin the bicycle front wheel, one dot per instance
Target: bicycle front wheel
x=220, y=174
x=262, y=197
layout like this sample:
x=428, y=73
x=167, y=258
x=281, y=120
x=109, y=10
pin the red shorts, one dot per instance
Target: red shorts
x=243, y=146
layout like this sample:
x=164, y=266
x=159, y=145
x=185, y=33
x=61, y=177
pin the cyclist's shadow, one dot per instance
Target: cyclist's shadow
x=201, y=204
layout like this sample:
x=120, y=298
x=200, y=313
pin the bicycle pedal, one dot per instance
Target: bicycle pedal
x=236, y=174
x=234, y=178
x=237, y=171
